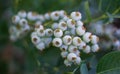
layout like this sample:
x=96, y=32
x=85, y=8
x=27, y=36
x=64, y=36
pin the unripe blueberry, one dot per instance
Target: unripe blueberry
x=116, y=43
x=71, y=23
x=77, y=53
x=64, y=47
x=67, y=39
x=54, y=15
x=54, y=25
x=57, y=42
x=32, y=16
x=22, y=14
x=41, y=32
x=62, y=25
x=78, y=60
x=76, y=16
x=26, y=28
x=67, y=32
x=49, y=32
x=40, y=18
x=77, y=41
x=47, y=41
x=23, y=22
x=35, y=39
x=58, y=33
x=94, y=39
x=67, y=63
x=79, y=23
x=33, y=34
x=72, y=48
x=62, y=13
x=47, y=16
x=82, y=45
x=80, y=30
x=65, y=18
x=86, y=49
x=64, y=54
x=87, y=37
x=95, y=48
x=73, y=31
x=40, y=46
x=38, y=26
x=71, y=57
x=15, y=19
x=13, y=38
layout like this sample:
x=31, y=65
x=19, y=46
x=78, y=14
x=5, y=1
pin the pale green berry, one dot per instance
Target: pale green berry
x=67, y=39
x=71, y=57
x=77, y=41
x=80, y=30
x=95, y=48
x=58, y=32
x=57, y=42
x=76, y=16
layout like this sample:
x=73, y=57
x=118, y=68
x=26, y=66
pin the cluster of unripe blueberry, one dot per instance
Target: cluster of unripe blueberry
x=59, y=29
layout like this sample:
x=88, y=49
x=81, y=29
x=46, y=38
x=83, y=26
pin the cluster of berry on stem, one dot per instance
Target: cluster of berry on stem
x=64, y=31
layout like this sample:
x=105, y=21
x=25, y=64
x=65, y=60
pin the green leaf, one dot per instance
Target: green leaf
x=109, y=64
x=83, y=69
x=112, y=71
x=87, y=10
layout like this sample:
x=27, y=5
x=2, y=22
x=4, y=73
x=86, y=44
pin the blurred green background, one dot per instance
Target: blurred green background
x=21, y=57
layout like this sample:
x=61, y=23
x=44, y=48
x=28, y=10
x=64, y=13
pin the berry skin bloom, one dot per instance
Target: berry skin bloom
x=95, y=48
x=33, y=34
x=67, y=63
x=77, y=41
x=82, y=45
x=86, y=49
x=23, y=22
x=58, y=33
x=71, y=57
x=47, y=41
x=32, y=16
x=62, y=13
x=49, y=32
x=62, y=25
x=73, y=31
x=22, y=14
x=87, y=37
x=72, y=48
x=41, y=32
x=64, y=54
x=71, y=23
x=47, y=16
x=80, y=30
x=57, y=42
x=78, y=60
x=79, y=23
x=25, y=29
x=64, y=47
x=76, y=16
x=40, y=18
x=94, y=39
x=55, y=15
x=65, y=18
x=67, y=39
x=40, y=46
x=77, y=53
x=38, y=26
x=54, y=26
x=15, y=19
x=35, y=39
